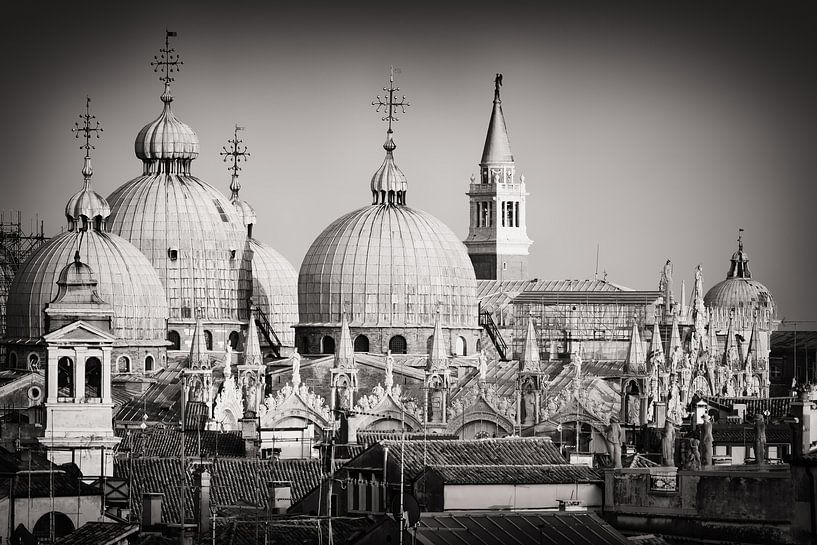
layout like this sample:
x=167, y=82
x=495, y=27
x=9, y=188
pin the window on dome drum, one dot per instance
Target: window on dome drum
x=397, y=344
x=175, y=340
x=234, y=340
x=208, y=339
x=123, y=364
x=361, y=343
x=149, y=363
x=232, y=253
x=93, y=378
x=173, y=254
x=65, y=377
x=327, y=345
x=62, y=526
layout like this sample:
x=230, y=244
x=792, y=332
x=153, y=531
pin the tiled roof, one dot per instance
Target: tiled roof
x=99, y=533
x=290, y=531
x=161, y=402
x=543, y=528
x=775, y=434
x=233, y=481
x=517, y=474
x=157, y=442
x=369, y=437
x=507, y=451
x=648, y=539
x=777, y=406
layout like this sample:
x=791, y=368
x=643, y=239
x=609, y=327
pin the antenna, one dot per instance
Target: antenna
x=596, y=274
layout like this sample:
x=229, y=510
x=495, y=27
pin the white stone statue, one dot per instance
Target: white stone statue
x=483, y=366
x=389, y=380
x=296, y=368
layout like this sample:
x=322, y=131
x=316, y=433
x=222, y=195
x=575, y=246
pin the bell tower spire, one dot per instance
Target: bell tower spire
x=497, y=237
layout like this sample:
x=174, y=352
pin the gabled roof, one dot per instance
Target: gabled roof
x=79, y=331
x=777, y=406
x=291, y=531
x=99, y=533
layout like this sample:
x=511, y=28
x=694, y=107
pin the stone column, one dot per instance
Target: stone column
x=106, y=374
x=80, y=354
x=53, y=374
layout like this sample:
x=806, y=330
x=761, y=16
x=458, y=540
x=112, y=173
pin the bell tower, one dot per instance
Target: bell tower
x=497, y=237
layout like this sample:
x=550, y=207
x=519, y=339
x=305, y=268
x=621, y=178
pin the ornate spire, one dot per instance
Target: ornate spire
x=236, y=153
x=345, y=353
x=166, y=63
x=252, y=347
x=752, y=352
x=389, y=183
x=675, y=334
x=635, y=362
x=529, y=357
x=656, y=345
x=199, y=359
x=86, y=206
x=739, y=267
x=497, y=148
x=729, y=348
x=438, y=355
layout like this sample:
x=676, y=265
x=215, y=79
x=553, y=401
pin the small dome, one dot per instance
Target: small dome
x=388, y=182
x=275, y=290
x=125, y=279
x=392, y=264
x=87, y=203
x=77, y=273
x=166, y=137
x=245, y=211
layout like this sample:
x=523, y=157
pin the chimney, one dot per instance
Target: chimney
x=151, y=510
x=281, y=496
x=204, y=502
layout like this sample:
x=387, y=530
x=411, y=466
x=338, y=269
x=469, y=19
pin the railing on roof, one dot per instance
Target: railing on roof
x=267, y=331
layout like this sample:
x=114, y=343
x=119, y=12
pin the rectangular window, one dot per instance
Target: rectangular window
x=516, y=214
x=503, y=213
x=720, y=450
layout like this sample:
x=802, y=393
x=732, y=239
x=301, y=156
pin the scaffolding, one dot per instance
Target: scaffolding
x=16, y=244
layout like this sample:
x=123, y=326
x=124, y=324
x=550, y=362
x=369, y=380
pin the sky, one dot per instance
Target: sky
x=650, y=130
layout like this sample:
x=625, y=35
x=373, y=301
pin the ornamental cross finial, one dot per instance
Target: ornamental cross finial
x=740, y=239
x=388, y=103
x=236, y=153
x=167, y=60
x=90, y=127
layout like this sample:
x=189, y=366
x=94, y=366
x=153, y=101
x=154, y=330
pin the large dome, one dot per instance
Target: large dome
x=126, y=280
x=194, y=238
x=390, y=266
x=739, y=295
x=275, y=290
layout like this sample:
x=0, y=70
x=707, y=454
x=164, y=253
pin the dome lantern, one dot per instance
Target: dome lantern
x=389, y=183
x=87, y=208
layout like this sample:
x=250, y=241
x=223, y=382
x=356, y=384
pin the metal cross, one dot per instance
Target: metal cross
x=90, y=127
x=167, y=60
x=389, y=104
x=236, y=153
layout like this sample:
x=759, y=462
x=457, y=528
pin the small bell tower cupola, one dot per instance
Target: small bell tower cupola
x=497, y=237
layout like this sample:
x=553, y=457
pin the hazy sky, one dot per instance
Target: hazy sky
x=653, y=131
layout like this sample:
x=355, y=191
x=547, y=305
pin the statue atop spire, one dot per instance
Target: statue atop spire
x=236, y=153
x=497, y=85
x=389, y=183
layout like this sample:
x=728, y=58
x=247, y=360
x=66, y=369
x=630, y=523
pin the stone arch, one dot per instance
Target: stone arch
x=235, y=340
x=327, y=345
x=466, y=427
x=461, y=346
x=65, y=377
x=208, y=339
x=13, y=359
x=93, y=378
x=361, y=343
x=150, y=363
x=397, y=345
x=123, y=364
x=33, y=361
x=61, y=523
x=175, y=340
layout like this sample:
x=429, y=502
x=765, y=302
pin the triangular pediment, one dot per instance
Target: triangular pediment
x=79, y=332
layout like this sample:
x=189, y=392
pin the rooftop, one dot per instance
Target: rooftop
x=99, y=533
x=517, y=474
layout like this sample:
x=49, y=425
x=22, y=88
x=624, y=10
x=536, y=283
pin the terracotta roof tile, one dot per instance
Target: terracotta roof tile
x=157, y=442
x=99, y=533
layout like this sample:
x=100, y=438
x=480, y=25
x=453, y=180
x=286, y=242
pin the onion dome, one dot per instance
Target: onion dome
x=739, y=291
x=86, y=206
x=125, y=279
x=389, y=183
x=393, y=264
x=186, y=228
x=166, y=144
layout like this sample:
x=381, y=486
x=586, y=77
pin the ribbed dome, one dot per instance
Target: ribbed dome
x=87, y=203
x=166, y=137
x=126, y=280
x=245, y=211
x=275, y=290
x=392, y=264
x=388, y=182
x=194, y=238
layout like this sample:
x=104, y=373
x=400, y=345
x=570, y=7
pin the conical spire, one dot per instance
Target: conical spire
x=739, y=267
x=252, y=346
x=198, y=347
x=345, y=352
x=752, y=352
x=389, y=184
x=529, y=357
x=635, y=362
x=675, y=334
x=729, y=346
x=438, y=355
x=656, y=345
x=713, y=334
x=497, y=148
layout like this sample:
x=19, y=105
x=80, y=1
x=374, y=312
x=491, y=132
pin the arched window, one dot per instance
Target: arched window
x=461, y=348
x=175, y=340
x=93, y=377
x=13, y=359
x=65, y=377
x=235, y=339
x=208, y=339
x=61, y=522
x=397, y=344
x=33, y=361
x=123, y=364
x=149, y=363
x=327, y=345
x=361, y=343
x=429, y=342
